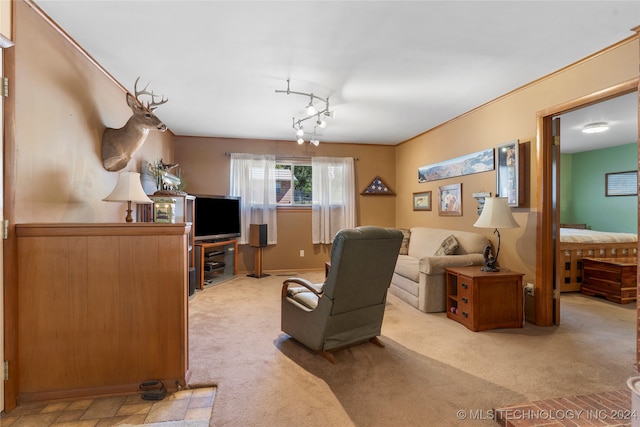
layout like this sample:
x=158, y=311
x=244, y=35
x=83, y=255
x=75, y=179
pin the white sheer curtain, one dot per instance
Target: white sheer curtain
x=334, y=200
x=253, y=179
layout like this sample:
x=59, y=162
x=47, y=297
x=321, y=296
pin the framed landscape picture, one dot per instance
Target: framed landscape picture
x=482, y=161
x=450, y=200
x=422, y=201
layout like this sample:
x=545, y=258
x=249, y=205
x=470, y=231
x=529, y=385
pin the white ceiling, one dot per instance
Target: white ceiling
x=620, y=113
x=391, y=69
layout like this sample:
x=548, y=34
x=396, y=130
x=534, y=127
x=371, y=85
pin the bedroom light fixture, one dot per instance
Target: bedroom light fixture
x=495, y=214
x=595, y=127
x=312, y=112
x=128, y=189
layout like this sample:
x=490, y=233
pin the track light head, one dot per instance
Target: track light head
x=314, y=142
x=311, y=109
x=300, y=141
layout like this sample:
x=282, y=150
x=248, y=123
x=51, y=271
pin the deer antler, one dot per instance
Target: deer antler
x=149, y=105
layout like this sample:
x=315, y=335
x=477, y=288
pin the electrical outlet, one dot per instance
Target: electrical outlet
x=301, y=252
x=529, y=289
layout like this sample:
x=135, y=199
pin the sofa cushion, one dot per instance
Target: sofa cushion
x=471, y=243
x=404, y=247
x=448, y=246
x=407, y=266
x=425, y=241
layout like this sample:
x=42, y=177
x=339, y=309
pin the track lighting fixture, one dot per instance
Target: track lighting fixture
x=312, y=113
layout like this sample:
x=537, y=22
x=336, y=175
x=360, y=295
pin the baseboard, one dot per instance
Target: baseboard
x=288, y=273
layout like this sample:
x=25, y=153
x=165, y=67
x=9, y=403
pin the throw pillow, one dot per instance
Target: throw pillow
x=448, y=246
x=406, y=234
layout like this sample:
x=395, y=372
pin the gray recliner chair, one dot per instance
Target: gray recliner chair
x=348, y=308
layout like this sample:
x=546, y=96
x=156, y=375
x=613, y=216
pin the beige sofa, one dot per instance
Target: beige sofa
x=418, y=277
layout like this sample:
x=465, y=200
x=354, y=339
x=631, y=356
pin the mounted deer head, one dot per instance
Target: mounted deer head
x=118, y=145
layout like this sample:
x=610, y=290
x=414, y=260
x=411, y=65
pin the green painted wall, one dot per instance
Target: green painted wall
x=582, y=189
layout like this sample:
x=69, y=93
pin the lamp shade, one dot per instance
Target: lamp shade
x=496, y=213
x=128, y=189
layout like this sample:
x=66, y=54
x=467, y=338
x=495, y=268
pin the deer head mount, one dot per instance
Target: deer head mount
x=119, y=145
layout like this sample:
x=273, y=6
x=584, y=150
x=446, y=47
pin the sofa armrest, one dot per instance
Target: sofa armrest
x=437, y=264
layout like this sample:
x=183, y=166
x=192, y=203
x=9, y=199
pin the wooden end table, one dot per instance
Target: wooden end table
x=484, y=300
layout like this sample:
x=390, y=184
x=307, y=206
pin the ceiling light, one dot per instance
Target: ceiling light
x=596, y=127
x=312, y=112
x=314, y=139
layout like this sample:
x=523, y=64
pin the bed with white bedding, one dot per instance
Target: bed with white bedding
x=576, y=243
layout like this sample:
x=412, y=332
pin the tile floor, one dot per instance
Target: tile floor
x=190, y=407
x=602, y=409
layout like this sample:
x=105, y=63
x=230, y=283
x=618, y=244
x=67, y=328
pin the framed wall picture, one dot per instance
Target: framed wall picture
x=450, y=200
x=482, y=161
x=507, y=172
x=422, y=201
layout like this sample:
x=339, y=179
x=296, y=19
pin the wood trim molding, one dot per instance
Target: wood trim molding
x=101, y=229
x=625, y=87
x=9, y=250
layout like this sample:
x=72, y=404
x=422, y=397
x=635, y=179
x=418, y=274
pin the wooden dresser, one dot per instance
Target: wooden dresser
x=102, y=308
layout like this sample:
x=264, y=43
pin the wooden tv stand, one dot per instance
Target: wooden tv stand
x=216, y=262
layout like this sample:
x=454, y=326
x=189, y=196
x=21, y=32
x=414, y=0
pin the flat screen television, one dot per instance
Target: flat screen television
x=216, y=217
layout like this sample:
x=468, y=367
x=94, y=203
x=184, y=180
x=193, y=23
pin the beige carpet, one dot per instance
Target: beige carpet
x=431, y=368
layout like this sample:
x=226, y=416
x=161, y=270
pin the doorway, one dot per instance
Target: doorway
x=548, y=218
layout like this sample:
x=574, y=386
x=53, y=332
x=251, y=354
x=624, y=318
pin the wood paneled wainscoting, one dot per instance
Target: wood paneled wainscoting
x=102, y=308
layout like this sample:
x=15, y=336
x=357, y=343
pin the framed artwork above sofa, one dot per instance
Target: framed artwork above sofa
x=450, y=200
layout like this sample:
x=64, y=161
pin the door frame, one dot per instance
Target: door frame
x=9, y=273
x=547, y=311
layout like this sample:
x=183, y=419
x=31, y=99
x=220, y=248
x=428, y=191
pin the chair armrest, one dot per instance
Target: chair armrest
x=315, y=288
x=437, y=264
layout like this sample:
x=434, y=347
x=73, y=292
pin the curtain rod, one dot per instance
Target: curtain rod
x=228, y=154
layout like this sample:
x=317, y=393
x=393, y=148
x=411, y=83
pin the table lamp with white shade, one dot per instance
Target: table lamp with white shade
x=496, y=214
x=128, y=189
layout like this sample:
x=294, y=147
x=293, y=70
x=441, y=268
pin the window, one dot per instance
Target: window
x=621, y=184
x=293, y=183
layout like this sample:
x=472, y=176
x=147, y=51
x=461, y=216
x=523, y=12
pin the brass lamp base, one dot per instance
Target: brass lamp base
x=129, y=217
